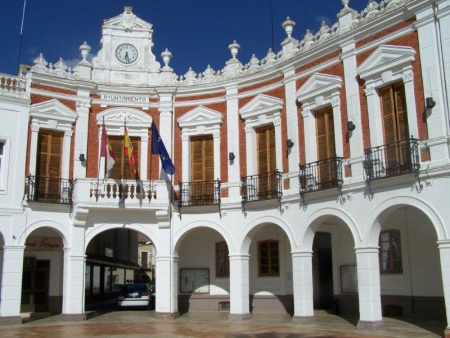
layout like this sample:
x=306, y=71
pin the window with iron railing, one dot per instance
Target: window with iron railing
x=199, y=193
x=49, y=190
x=393, y=159
x=321, y=175
x=261, y=187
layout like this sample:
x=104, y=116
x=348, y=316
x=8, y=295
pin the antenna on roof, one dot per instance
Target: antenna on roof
x=21, y=36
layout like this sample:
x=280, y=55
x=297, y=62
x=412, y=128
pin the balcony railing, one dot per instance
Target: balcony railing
x=199, y=193
x=394, y=159
x=321, y=175
x=49, y=190
x=261, y=187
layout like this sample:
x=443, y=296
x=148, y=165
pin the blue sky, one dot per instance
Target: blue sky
x=197, y=32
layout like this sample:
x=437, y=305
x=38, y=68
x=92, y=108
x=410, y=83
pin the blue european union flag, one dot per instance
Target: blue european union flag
x=158, y=147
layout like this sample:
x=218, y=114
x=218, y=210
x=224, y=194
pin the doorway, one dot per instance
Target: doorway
x=322, y=271
x=35, y=285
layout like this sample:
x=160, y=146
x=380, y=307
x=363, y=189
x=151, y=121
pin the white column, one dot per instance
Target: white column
x=65, y=161
x=144, y=157
x=33, y=147
x=291, y=124
x=239, y=287
x=444, y=250
x=369, y=289
x=73, y=285
x=303, y=288
x=165, y=128
x=309, y=130
x=11, y=287
x=353, y=105
x=433, y=80
x=233, y=132
x=81, y=137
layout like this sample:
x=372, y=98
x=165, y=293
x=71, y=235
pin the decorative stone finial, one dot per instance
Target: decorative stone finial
x=128, y=9
x=288, y=26
x=234, y=49
x=166, y=55
x=345, y=3
x=85, y=49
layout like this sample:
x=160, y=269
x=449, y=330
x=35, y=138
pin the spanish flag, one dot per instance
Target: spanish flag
x=128, y=151
x=106, y=151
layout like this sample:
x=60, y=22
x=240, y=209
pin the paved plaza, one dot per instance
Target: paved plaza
x=262, y=325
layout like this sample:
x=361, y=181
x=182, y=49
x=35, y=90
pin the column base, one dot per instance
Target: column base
x=447, y=333
x=371, y=326
x=76, y=317
x=233, y=317
x=166, y=315
x=300, y=320
x=12, y=320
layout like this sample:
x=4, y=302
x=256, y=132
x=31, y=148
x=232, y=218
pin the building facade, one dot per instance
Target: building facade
x=315, y=177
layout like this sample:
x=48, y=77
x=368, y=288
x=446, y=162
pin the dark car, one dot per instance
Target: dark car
x=136, y=294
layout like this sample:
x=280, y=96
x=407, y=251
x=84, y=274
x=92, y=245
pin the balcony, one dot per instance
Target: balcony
x=49, y=190
x=199, y=193
x=394, y=159
x=321, y=175
x=261, y=187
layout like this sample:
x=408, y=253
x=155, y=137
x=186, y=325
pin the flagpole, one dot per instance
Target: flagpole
x=21, y=37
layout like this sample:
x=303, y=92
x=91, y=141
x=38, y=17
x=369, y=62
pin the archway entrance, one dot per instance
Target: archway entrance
x=322, y=271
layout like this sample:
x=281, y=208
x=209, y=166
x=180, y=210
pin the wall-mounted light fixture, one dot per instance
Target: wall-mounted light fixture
x=231, y=156
x=289, y=143
x=82, y=158
x=430, y=102
x=350, y=125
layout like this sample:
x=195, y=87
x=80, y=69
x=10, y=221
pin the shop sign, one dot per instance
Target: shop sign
x=38, y=243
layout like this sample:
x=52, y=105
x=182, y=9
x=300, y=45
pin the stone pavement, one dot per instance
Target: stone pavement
x=135, y=323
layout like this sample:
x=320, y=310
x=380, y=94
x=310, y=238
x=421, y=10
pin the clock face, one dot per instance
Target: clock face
x=126, y=53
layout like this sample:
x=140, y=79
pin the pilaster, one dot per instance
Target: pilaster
x=303, y=288
x=239, y=287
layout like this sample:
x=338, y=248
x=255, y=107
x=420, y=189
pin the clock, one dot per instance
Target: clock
x=126, y=53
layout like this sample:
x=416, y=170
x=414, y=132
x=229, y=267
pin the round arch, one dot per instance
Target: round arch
x=306, y=238
x=251, y=228
x=59, y=228
x=387, y=207
x=182, y=233
x=90, y=234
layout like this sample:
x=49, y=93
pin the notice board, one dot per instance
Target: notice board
x=194, y=280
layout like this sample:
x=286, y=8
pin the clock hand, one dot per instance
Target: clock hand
x=126, y=57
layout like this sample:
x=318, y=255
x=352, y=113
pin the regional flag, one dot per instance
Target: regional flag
x=128, y=151
x=106, y=151
x=158, y=147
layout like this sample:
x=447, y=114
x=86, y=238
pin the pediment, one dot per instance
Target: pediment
x=54, y=110
x=200, y=116
x=385, y=58
x=319, y=85
x=261, y=104
x=117, y=116
x=131, y=22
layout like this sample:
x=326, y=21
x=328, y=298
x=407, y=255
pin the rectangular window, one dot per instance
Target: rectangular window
x=325, y=147
x=222, y=260
x=390, y=252
x=121, y=168
x=202, y=169
x=269, y=260
x=267, y=162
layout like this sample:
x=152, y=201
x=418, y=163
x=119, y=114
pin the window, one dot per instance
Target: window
x=121, y=168
x=395, y=123
x=325, y=144
x=269, y=261
x=222, y=260
x=390, y=252
x=202, y=169
x=267, y=163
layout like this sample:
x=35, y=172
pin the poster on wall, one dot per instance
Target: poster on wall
x=194, y=280
x=349, y=279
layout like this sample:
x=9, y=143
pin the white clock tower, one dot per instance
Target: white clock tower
x=126, y=56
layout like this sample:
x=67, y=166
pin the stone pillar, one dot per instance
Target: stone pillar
x=165, y=127
x=166, y=306
x=233, y=132
x=291, y=124
x=81, y=137
x=444, y=250
x=239, y=287
x=370, y=318
x=11, y=287
x=73, y=286
x=303, y=288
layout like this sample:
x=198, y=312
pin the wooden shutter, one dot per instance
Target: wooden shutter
x=121, y=168
x=267, y=162
x=202, y=158
x=49, y=154
x=326, y=149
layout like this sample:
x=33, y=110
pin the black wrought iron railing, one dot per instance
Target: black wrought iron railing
x=261, y=187
x=199, y=193
x=49, y=190
x=394, y=159
x=321, y=175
